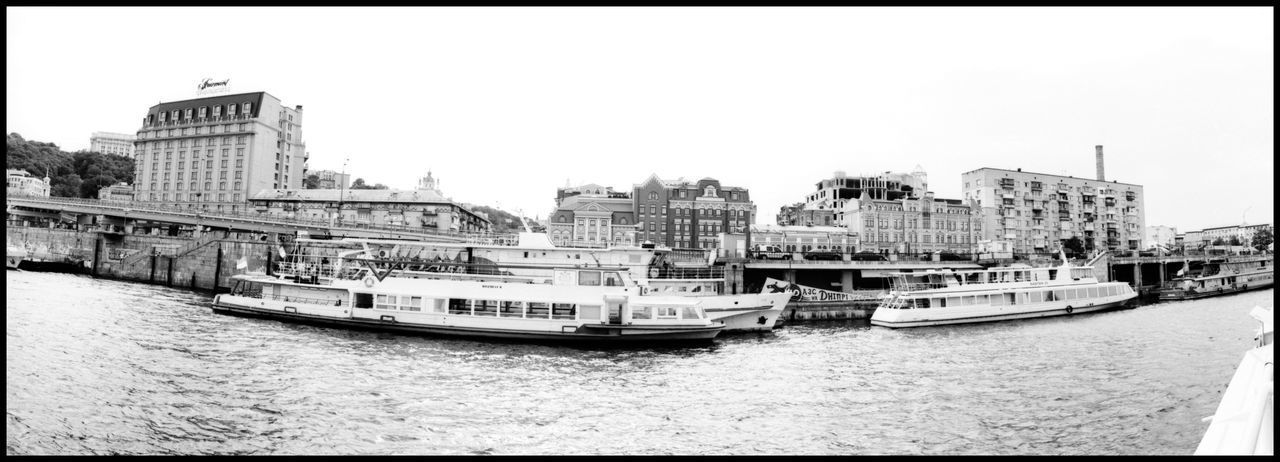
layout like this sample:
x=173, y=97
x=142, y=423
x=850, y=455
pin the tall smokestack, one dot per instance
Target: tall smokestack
x=1101, y=171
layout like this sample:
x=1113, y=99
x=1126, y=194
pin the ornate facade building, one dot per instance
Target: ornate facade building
x=690, y=214
x=592, y=215
x=112, y=143
x=20, y=183
x=417, y=209
x=913, y=224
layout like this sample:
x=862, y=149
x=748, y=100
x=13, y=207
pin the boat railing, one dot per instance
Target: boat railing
x=710, y=272
x=290, y=298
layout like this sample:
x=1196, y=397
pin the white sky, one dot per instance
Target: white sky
x=505, y=104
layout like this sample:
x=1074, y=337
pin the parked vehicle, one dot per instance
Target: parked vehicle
x=771, y=252
x=822, y=255
x=867, y=256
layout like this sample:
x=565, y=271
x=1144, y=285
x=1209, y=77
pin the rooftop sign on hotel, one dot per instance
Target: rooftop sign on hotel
x=212, y=87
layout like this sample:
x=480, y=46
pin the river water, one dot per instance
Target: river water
x=97, y=367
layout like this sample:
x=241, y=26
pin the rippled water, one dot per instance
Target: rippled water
x=97, y=367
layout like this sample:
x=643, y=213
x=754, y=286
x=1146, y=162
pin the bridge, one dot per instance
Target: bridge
x=126, y=214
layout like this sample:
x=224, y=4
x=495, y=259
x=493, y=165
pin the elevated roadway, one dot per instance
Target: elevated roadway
x=131, y=212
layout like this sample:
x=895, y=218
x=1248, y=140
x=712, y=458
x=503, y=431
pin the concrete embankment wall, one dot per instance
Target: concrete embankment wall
x=174, y=261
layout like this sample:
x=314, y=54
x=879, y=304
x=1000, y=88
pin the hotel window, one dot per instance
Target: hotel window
x=208, y=164
x=203, y=112
x=237, y=197
x=248, y=107
x=155, y=166
x=192, y=185
x=224, y=163
x=222, y=197
x=208, y=175
x=168, y=155
x=179, y=178
x=237, y=185
x=240, y=139
x=188, y=113
x=239, y=152
x=168, y=144
x=208, y=185
x=231, y=109
x=166, y=165
x=153, y=186
x=195, y=164
x=175, y=119
x=222, y=186
x=165, y=185
x=209, y=152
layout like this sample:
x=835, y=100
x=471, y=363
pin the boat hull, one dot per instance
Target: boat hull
x=579, y=332
x=746, y=313
x=919, y=319
x=1178, y=294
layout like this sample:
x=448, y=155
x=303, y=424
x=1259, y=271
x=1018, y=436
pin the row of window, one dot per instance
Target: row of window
x=1021, y=298
x=196, y=142
x=204, y=111
x=222, y=186
x=222, y=197
x=186, y=131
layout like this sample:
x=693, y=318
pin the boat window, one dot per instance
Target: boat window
x=967, y=300
x=997, y=300
x=364, y=300
x=612, y=279
x=589, y=312
x=485, y=307
x=953, y=301
x=981, y=300
x=539, y=310
x=942, y=302
x=667, y=312
x=563, y=311
x=1069, y=294
x=415, y=304
x=459, y=306
x=641, y=312
x=589, y=278
x=439, y=305
x=922, y=303
x=511, y=309
x=1059, y=295
x=386, y=302
x=1093, y=292
x=690, y=312
x=1037, y=297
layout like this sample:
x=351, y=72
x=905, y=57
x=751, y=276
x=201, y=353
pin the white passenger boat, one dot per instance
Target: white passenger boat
x=573, y=304
x=651, y=270
x=936, y=297
x=1244, y=423
x=1221, y=277
x=14, y=257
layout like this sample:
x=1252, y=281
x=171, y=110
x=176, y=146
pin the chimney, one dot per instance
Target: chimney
x=1101, y=171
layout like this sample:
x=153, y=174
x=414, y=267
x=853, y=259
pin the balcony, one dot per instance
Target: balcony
x=1036, y=186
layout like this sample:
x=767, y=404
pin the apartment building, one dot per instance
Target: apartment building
x=216, y=153
x=1036, y=211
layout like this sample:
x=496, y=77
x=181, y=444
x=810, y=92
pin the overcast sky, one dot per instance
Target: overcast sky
x=504, y=105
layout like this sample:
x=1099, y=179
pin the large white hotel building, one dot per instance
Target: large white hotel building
x=215, y=153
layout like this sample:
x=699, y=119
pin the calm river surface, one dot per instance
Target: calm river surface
x=96, y=366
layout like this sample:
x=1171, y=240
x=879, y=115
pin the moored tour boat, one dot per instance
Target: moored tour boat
x=1221, y=277
x=574, y=304
x=954, y=297
x=656, y=271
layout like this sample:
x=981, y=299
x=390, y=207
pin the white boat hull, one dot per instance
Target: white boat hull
x=458, y=325
x=747, y=312
x=964, y=315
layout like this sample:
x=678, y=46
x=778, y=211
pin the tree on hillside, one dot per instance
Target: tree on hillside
x=67, y=172
x=1219, y=241
x=1235, y=240
x=360, y=184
